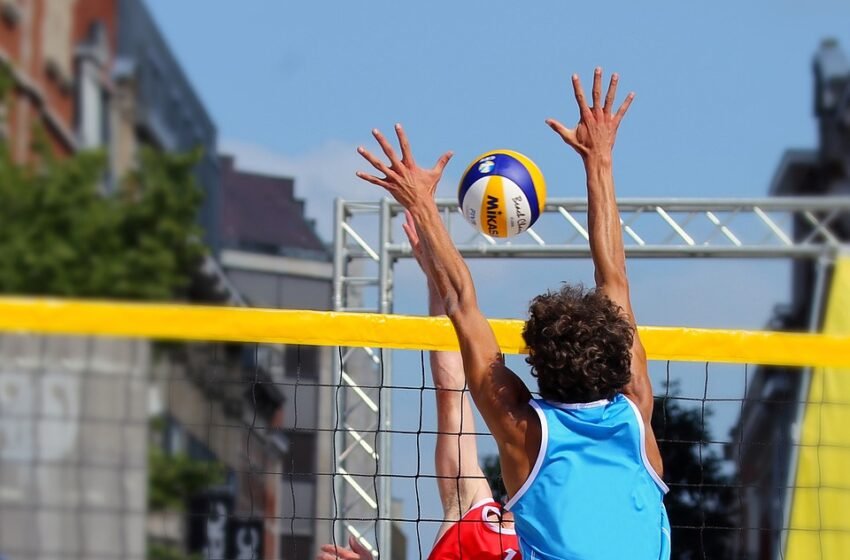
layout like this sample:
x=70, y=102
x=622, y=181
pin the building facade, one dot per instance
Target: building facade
x=161, y=103
x=97, y=74
x=60, y=55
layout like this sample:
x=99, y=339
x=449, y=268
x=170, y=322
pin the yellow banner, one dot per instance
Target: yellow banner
x=820, y=508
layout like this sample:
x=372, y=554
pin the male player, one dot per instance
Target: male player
x=474, y=526
x=581, y=463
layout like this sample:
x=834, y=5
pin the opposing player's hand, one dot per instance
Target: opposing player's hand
x=596, y=131
x=356, y=552
x=408, y=183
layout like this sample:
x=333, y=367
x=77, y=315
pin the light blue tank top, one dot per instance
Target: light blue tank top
x=592, y=493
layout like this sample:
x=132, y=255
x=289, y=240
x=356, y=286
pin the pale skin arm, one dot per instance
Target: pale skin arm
x=593, y=139
x=501, y=397
x=460, y=480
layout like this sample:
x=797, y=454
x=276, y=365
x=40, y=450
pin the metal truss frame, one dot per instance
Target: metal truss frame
x=368, y=242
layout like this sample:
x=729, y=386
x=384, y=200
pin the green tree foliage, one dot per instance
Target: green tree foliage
x=162, y=551
x=173, y=479
x=60, y=235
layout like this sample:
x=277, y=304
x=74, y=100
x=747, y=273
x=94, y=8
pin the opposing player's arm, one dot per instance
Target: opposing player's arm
x=594, y=139
x=499, y=394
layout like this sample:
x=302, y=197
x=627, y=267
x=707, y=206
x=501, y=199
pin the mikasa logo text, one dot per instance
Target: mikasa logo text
x=492, y=214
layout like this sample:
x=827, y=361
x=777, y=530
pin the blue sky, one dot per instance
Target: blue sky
x=723, y=88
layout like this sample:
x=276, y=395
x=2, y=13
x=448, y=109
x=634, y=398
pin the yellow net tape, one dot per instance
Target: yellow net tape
x=188, y=322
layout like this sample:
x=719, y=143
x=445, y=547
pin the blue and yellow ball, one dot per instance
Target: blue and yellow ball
x=502, y=193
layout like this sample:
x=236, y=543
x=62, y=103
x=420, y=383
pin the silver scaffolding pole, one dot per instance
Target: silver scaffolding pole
x=385, y=498
x=354, y=500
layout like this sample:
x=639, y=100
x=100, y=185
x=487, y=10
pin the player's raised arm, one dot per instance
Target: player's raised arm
x=499, y=394
x=593, y=139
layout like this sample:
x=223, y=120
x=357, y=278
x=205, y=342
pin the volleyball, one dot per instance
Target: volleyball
x=502, y=193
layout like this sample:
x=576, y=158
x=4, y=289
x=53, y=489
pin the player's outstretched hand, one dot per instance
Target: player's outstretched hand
x=356, y=552
x=596, y=131
x=408, y=183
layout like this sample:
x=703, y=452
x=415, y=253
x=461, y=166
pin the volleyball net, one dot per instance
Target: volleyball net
x=160, y=431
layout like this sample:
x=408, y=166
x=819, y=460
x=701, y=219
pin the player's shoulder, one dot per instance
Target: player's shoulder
x=478, y=532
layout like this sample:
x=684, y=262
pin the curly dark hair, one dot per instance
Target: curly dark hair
x=579, y=345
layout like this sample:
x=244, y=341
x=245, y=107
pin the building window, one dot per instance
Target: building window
x=154, y=85
x=300, y=462
x=10, y=12
x=174, y=441
x=6, y=84
x=92, y=107
x=172, y=110
x=197, y=450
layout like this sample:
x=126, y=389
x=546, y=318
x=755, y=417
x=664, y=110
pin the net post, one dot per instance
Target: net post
x=339, y=298
x=384, y=526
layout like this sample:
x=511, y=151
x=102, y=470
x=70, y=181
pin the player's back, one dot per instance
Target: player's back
x=592, y=493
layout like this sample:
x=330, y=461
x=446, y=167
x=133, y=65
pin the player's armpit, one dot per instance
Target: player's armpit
x=517, y=458
x=653, y=453
x=640, y=387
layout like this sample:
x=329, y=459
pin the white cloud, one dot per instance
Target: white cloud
x=321, y=175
